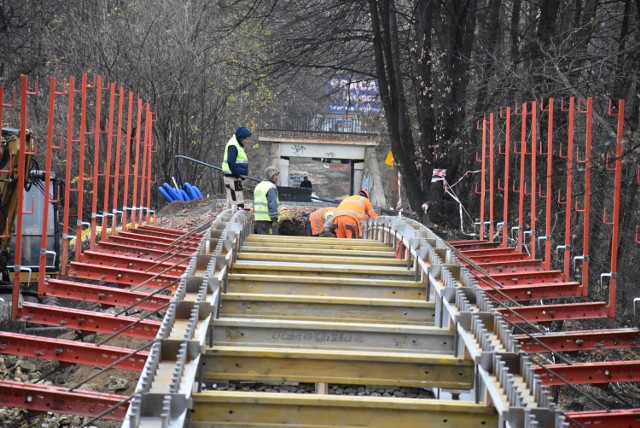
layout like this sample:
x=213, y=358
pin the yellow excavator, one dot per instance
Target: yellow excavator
x=34, y=200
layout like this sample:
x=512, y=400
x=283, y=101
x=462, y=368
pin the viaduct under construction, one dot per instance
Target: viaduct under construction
x=403, y=307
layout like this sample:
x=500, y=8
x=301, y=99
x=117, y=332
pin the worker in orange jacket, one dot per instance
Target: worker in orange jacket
x=318, y=223
x=350, y=215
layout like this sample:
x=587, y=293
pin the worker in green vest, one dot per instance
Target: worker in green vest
x=235, y=167
x=266, y=204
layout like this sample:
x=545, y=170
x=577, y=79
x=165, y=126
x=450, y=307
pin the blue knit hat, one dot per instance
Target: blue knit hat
x=242, y=133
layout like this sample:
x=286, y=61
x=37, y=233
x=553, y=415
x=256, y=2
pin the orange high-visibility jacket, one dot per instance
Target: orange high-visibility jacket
x=318, y=218
x=358, y=208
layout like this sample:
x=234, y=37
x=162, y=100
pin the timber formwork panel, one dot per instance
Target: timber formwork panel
x=213, y=408
x=332, y=335
x=326, y=286
x=341, y=367
x=304, y=258
x=345, y=309
x=319, y=270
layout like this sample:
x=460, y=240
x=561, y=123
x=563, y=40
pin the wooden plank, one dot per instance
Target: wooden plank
x=341, y=367
x=327, y=308
x=332, y=335
x=226, y=409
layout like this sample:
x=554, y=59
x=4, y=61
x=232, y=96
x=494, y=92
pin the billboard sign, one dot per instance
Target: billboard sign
x=348, y=96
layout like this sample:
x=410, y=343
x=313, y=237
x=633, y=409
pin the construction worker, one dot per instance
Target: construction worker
x=350, y=215
x=235, y=166
x=319, y=222
x=266, y=204
x=306, y=184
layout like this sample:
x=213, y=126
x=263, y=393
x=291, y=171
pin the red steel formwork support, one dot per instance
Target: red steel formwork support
x=612, y=274
x=97, y=133
x=47, y=184
x=491, y=176
x=81, y=158
x=592, y=373
x=44, y=398
x=150, y=180
x=134, y=199
x=604, y=418
x=569, y=156
x=521, y=189
x=126, y=173
x=64, y=256
x=70, y=351
x=587, y=196
x=505, y=186
x=107, y=167
x=534, y=195
x=22, y=153
x=549, y=191
x=483, y=179
x=116, y=167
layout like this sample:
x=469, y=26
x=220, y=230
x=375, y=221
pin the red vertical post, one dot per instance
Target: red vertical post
x=616, y=208
x=567, y=223
x=15, y=301
x=534, y=178
x=42, y=285
x=126, y=172
x=586, y=210
x=143, y=173
x=64, y=256
x=149, y=165
x=96, y=161
x=505, y=205
x=136, y=164
x=107, y=168
x=116, y=167
x=83, y=136
x=549, y=195
x=483, y=181
x=491, y=176
x=523, y=155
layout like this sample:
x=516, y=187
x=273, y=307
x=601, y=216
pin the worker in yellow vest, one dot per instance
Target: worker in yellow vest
x=266, y=204
x=319, y=222
x=351, y=214
x=235, y=167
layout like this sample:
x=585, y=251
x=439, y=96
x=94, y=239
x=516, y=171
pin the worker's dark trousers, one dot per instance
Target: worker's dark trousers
x=266, y=228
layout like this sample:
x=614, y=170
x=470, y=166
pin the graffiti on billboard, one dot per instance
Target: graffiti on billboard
x=349, y=96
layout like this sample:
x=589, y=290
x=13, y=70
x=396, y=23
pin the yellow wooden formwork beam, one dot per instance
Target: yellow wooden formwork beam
x=337, y=366
x=316, y=269
x=343, y=309
x=332, y=335
x=326, y=286
x=312, y=251
x=311, y=242
x=228, y=408
x=352, y=259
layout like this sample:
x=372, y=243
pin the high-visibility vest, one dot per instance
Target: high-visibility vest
x=318, y=218
x=357, y=207
x=240, y=159
x=260, y=202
